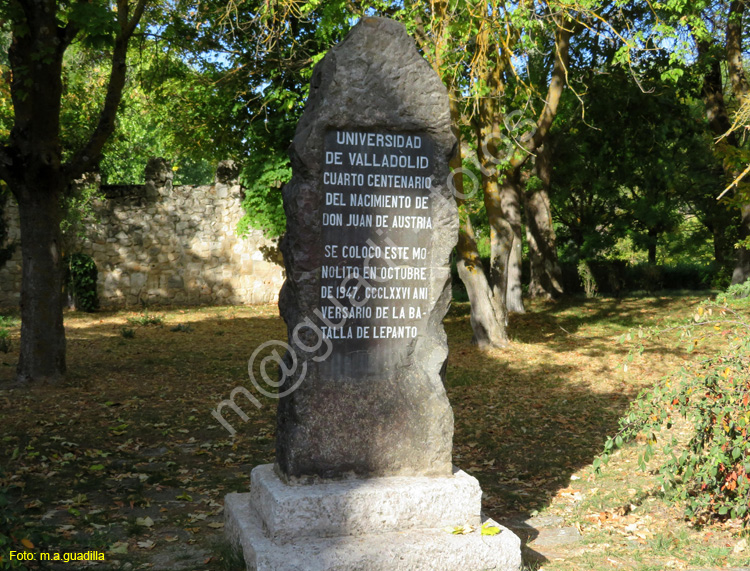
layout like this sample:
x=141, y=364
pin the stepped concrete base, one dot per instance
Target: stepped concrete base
x=376, y=524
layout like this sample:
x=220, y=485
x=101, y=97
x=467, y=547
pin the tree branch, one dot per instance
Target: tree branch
x=558, y=80
x=89, y=155
x=734, y=50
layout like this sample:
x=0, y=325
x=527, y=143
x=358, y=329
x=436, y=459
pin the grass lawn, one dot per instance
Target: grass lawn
x=125, y=457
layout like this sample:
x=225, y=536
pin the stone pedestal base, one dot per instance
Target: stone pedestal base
x=379, y=524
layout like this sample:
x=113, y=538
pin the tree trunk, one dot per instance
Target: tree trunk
x=742, y=269
x=546, y=275
x=740, y=89
x=42, y=351
x=496, y=200
x=487, y=318
x=716, y=111
x=501, y=240
x=510, y=203
x=512, y=200
x=32, y=166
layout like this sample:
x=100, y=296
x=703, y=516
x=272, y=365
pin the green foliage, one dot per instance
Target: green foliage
x=4, y=339
x=127, y=332
x=146, y=319
x=166, y=86
x=630, y=161
x=263, y=205
x=710, y=473
x=82, y=279
x=78, y=207
x=587, y=279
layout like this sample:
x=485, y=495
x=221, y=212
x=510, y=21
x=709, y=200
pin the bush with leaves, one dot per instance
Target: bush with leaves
x=4, y=339
x=710, y=473
x=82, y=278
x=587, y=278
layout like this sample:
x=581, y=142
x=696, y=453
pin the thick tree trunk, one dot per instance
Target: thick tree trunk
x=546, y=276
x=512, y=200
x=510, y=203
x=501, y=244
x=42, y=354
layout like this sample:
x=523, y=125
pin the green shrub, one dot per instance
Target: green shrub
x=710, y=474
x=145, y=319
x=127, y=333
x=4, y=340
x=590, y=287
x=651, y=278
x=82, y=278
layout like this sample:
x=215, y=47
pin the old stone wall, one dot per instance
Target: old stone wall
x=164, y=244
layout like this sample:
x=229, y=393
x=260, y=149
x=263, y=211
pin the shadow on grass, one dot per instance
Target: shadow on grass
x=140, y=406
x=129, y=435
x=530, y=416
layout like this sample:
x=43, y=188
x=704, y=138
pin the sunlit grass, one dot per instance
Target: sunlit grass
x=529, y=421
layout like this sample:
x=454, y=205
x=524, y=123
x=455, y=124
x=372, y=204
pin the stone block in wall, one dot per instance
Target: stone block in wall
x=137, y=280
x=176, y=282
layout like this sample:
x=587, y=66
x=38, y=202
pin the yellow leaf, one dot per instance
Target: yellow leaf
x=488, y=529
x=27, y=543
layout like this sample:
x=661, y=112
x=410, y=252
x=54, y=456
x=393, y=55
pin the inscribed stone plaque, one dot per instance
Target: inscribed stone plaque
x=377, y=225
x=370, y=227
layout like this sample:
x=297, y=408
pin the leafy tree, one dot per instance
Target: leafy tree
x=707, y=38
x=40, y=157
x=634, y=165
